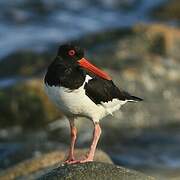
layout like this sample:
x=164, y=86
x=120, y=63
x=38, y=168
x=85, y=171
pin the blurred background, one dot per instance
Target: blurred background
x=136, y=41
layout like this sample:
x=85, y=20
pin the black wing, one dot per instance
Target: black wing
x=100, y=90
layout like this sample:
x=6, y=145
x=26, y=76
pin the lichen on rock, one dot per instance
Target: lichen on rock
x=95, y=171
x=26, y=104
x=35, y=167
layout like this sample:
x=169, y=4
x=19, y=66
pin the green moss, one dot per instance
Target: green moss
x=157, y=46
x=26, y=104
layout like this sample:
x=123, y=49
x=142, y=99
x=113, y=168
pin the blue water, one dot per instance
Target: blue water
x=152, y=149
x=23, y=27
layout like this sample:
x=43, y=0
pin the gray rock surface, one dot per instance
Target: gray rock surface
x=35, y=167
x=94, y=170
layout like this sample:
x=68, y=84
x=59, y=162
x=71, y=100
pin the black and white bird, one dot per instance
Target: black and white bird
x=80, y=89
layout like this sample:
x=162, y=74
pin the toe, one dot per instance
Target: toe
x=73, y=162
x=86, y=160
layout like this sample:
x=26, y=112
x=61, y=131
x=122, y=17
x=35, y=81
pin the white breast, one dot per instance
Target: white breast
x=76, y=102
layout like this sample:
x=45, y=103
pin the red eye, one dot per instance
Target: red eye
x=71, y=52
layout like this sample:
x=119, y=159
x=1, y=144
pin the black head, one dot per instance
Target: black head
x=70, y=52
x=74, y=55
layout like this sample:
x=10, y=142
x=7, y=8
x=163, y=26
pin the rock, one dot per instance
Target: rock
x=114, y=49
x=119, y=44
x=40, y=165
x=143, y=59
x=26, y=104
x=162, y=39
x=94, y=170
x=168, y=11
x=24, y=64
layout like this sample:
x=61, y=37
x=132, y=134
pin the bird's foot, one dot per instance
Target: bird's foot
x=87, y=158
x=78, y=161
x=73, y=161
x=70, y=160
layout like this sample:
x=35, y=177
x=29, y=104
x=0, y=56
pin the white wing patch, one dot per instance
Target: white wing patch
x=113, y=105
x=87, y=79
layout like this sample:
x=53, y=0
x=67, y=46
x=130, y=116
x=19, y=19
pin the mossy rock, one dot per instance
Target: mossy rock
x=163, y=40
x=168, y=11
x=129, y=55
x=26, y=104
x=24, y=63
x=94, y=170
x=35, y=167
x=112, y=49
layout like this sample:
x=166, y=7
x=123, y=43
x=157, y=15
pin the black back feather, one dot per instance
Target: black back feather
x=100, y=90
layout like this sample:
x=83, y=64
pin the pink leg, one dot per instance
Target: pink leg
x=96, y=136
x=70, y=159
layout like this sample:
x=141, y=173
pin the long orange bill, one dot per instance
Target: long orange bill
x=87, y=65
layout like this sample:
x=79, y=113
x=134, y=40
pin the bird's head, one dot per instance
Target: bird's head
x=75, y=54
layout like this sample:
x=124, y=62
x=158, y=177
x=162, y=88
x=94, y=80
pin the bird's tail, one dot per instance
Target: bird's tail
x=127, y=96
x=134, y=99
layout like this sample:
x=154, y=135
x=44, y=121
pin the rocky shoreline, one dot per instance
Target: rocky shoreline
x=35, y=167
x=144, y=59
x=137, y=42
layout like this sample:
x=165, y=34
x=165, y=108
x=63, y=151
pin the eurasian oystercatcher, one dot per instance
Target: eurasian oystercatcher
x=80, y=89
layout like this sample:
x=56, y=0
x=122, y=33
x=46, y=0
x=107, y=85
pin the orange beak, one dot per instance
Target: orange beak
x=87, y=65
